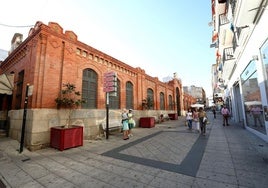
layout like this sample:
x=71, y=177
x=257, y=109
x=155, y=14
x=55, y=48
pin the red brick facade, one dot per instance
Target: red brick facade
x=50, y=57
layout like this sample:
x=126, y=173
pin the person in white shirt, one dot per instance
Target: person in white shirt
x=256, y=112
x=131, y=122
x=189, y=118
x=125, y=124
x=196, y=124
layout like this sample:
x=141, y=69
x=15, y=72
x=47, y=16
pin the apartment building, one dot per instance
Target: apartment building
x=240, y=71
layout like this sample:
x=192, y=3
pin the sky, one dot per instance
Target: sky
x=162, y=37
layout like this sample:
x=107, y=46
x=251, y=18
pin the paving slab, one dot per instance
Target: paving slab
x=167, y=155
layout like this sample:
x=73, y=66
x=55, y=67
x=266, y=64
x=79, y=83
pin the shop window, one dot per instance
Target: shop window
x=264, y=58
x=252, y=98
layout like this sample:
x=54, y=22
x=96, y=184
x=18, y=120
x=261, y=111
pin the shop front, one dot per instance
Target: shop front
x=252, y=98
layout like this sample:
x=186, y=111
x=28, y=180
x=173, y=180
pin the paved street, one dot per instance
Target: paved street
x=167, y=155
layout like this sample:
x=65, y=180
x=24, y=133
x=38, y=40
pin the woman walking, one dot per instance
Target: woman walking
x=131, y=122
x=202, y=120
x=196, y=124
x=125, y=124
x=189, y=118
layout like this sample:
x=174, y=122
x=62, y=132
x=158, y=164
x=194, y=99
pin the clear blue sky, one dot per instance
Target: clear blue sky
x=160, y=36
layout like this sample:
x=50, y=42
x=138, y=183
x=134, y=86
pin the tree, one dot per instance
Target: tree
x=148, y=103
x=69, y=99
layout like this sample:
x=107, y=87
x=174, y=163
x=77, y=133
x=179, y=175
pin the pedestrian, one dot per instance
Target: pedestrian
x=131, y=122
x=214, y=112
x=203, y=119
x=189, y=118
x=125, y=124
x=225, y=115
x=256, y=112
x=196, y=124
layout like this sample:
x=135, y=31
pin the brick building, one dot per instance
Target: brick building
x=50, y=57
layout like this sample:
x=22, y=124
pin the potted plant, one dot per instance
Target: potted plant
x=68, y=135
x=147, y=122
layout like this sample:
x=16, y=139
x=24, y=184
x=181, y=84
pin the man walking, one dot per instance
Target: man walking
x=256, y=112
x=214, y=112
x=225, y=114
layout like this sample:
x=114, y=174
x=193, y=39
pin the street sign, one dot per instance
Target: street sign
x=110, y=82
x=109, y=89
x=108, y=74
x=110, y=79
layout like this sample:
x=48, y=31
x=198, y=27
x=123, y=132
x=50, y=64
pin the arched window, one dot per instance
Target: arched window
x=170, y=103
x=150, y=99
x=178, y=101
x=89, y=88
x=162, y=101
x=129, y=95
x=114, y=97
x=19, y=93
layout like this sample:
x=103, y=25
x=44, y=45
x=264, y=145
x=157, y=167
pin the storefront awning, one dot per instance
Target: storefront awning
x=6, y=84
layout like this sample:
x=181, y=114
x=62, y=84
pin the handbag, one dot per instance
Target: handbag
x=204, y=119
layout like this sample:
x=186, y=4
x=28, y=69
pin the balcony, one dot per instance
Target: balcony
x=223, y=19
x=245, y=12
x=228, y=63
x=221, y=7
x=226, y=33
x=227, y=54
x=239, y=39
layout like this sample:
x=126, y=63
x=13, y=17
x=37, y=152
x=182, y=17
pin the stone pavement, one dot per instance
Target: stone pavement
x=167, y=155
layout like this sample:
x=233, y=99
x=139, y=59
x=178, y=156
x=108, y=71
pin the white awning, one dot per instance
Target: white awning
x=197, y=105
x=250, y=103
x=6, y=84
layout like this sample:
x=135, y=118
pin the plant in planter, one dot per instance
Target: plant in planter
x=150, y=103
x=147, y=122
x=68, y=136
x=69, y=99
x=147, y=104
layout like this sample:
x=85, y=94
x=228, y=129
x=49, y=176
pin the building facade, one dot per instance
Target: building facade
x=49, y=58
x=240, y=74
x=198, y=93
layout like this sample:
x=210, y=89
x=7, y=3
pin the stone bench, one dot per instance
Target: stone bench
x=161, y=118
x=113, y=125
x=156, y=119
x=166, y=117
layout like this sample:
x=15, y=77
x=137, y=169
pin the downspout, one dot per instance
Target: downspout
x=62, y=64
